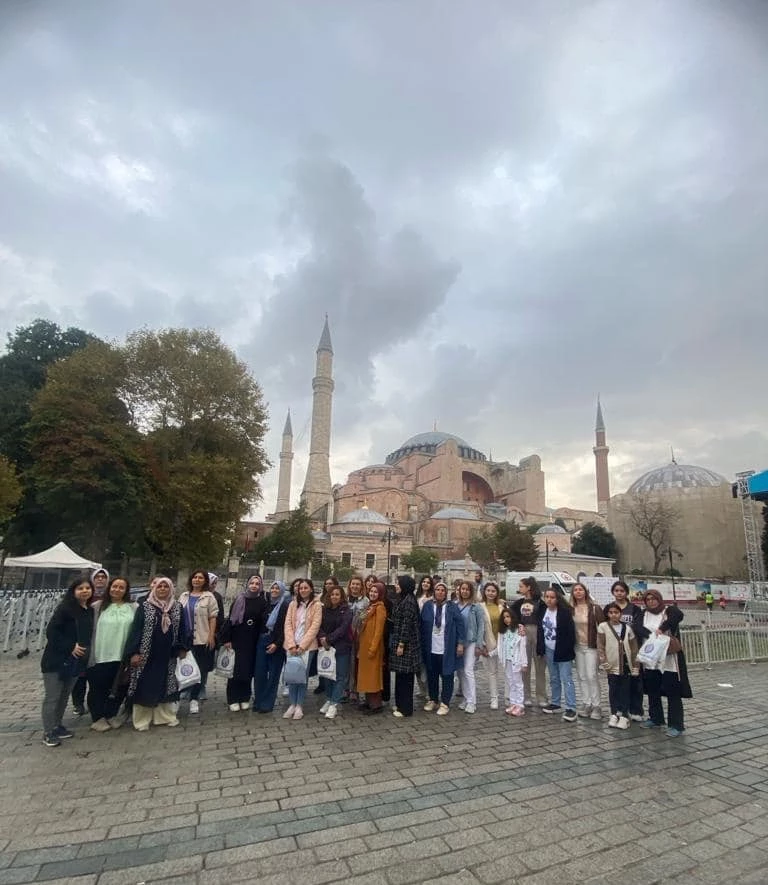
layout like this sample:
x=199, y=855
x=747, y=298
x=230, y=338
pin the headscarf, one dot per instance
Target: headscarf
x=213, y=580
x=164, y=605
x=238, y=606
x=407, y=585
x=99, y=571
x=285, y=594
x=381, y=590
x=655, y=593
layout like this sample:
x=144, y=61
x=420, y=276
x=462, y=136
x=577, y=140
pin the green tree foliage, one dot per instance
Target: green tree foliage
x=534, y=527
x=10, y=490
x=88, y=465
x=505, y=544
x=290, y=541
x=594, y=540
x=421, y=560
x=322, y=570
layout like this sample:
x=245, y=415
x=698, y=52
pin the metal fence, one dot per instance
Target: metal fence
x=23, y=618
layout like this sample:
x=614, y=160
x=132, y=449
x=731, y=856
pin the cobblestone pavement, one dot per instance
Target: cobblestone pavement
x=462, y=799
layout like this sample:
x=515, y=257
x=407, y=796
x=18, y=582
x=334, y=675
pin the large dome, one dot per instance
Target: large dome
x=677, y=476
x=363, y=516
x=428, y=443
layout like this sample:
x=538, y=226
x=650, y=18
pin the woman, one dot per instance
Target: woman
x=529, y=609
x=302, y=624
x=493, y=607
x=201, y=611
x=442, y=646
x=358, y=602
x=630, y=611
x=405, y=657
x=369, y=582
x=328, y=584
x=426, y=590
x=475, y=643
x=587, y=616
x=557, y=644
x=241, y=632
x=113, y=619
x=68, y=636
x=336, y=633
x=270, y=654
x=158, y=637
x=370, y=653
x=671, y=681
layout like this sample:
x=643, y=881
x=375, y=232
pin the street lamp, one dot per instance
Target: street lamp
x=671, y=553
x=389, y=536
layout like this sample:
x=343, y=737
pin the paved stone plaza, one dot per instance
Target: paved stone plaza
x=377, y=801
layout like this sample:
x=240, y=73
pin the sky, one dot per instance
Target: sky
x=504, y=208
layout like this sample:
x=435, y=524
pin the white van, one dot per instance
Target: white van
x=561, y=580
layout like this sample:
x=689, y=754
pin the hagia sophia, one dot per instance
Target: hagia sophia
x=436, y=490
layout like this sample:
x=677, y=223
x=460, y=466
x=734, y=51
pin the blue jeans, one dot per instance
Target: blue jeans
x=266, y=674
x=335, y=690
x=561, y=676
x=297, y=693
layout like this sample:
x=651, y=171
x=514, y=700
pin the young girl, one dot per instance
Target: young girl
x=617, y=652
x=587, y=615
x=557, y=644
x=513, y=658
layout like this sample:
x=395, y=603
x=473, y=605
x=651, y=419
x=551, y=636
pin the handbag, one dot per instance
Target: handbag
x=187, y=671
x=295, y=672
x=653, y=652
x=326, y=663
x=225, y=662
x=675, y=646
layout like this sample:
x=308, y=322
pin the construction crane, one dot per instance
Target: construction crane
x=755, y=563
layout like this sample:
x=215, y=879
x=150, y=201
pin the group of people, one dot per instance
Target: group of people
x=535, y=650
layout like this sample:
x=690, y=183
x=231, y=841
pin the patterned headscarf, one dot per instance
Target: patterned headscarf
x=164, y=605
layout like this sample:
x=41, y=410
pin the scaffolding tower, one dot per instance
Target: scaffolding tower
x=751, y=535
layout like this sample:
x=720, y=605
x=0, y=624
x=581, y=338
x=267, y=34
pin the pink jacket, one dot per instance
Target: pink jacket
x=314, y=618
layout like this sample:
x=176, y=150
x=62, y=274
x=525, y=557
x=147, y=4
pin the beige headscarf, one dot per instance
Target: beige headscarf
x=164, y=605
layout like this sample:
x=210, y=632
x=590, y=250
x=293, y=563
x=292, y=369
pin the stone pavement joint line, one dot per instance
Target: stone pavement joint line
x=231, y=798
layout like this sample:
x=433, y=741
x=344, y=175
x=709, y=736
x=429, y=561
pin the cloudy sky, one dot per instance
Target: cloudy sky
x=505, y=208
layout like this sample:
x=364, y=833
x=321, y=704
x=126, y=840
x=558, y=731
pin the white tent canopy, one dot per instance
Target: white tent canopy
x=57, y=557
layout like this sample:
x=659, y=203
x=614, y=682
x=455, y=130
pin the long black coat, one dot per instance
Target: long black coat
x=670, y=683
x=154, y=680
x=245, y=636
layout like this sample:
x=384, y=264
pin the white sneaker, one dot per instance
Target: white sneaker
x=596, y=713
x=100, y=725
x=463, y=705
x=469, y=708
x=623, y=723
x=636, y=717
x=244, y=705
x=324, y=708
x=430, y=706
x=235, y=708
x=298, y=713
x=398, y=715
x=289, y=712
x=613, y=722
x=331, y=712
x=194, y=707
x=442, y=710
x=494, y=703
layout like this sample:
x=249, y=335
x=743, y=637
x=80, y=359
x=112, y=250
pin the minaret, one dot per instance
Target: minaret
x=316, y=493
x=284, y=478
x=601, y=463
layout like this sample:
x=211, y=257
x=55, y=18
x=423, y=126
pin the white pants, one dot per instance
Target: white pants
x=467, y=676
x=162, y=714
x=587, y=676
x=513, y=676
x=492, y=663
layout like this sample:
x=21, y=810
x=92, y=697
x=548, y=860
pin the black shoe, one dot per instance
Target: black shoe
x=319, y=690
x=551, y=708
x=50, y=740
x=569, y=716
x=78, y=711
x=371, y=711
x=63, y=733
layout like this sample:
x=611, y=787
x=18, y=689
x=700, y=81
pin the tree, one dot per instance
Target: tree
x=290, y=541
x=561, y=522
x=653, y=520
x=10, y=490
x=88, y=468
x=507, y=544
x=594, y=540
x=204, y=422
x=421, y=560
x=322, y=570
x=534, y=527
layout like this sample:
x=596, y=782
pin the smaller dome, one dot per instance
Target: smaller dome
x=677, y=476
x=551, y=529
x=363, y=516
x=453, y=513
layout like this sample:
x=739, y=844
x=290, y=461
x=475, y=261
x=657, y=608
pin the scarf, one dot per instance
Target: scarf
x=163, y=605
x=284, y=594
x=238, y=606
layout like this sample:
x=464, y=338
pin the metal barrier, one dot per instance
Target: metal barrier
x=741, y=636
x=23, y=618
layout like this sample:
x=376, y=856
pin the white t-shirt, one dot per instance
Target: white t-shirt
x=438, y=633
x=550, y=628
x=617, y=629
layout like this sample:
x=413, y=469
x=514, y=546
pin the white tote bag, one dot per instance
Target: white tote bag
x=187, y=671
x=326, y=664
x=653, y=652
x=225, y=662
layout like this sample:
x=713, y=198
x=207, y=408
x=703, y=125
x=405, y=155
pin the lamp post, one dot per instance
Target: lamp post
x=389, y=536
x=546, y=552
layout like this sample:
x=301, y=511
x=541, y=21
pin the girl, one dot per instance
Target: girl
x=68, y=636
x=587, y=615
x=473, y=616
x=672, y=680
x=529, y=609
x=113, y=618
x=200, y=611
x=335, y=632
x=242, y=631
x=557, y=644
x=630, y=611
x=158, y=637
x=405, y=645
x=370, y=653
x=617, y=651
x=270, y=654
x=493, y=607
x=512, y=656
x=302, y=623
x=358, y=602
x=426, y=590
